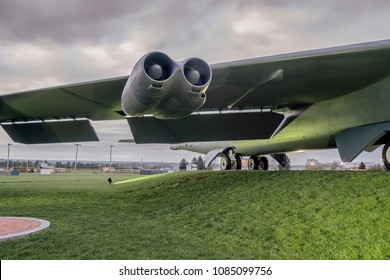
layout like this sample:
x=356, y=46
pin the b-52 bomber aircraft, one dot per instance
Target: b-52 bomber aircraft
x=320, y=99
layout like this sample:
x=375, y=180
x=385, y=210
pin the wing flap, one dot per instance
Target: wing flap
x=51, y=132
x=205, y=127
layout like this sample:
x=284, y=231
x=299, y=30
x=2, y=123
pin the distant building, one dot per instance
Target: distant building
x=46, y=169
x=107, y=169
x=192, y=167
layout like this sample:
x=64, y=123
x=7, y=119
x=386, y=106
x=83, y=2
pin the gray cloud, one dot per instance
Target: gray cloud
x=62, y=21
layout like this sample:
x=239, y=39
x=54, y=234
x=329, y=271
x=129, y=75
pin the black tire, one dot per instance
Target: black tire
x=253, y=163
x=225, y=163
x=238, y=162
x=386, y=156
x=263, y=163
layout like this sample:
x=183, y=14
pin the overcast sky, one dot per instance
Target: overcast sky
x=49, y=42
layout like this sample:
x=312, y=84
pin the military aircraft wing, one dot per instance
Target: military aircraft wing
x=288, y=82
x=298, y=78
x=60, y=114
x=168, y=91
x=96, y=100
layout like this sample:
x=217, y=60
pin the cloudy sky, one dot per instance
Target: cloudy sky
x=51, y=42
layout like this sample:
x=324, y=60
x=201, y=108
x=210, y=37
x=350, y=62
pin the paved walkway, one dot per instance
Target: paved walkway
x=16, y=227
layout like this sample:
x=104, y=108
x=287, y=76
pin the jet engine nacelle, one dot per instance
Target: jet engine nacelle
x=165, y=88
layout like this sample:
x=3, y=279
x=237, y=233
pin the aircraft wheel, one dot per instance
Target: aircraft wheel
x=233, y=163
x=386, y=156
x=238, y=162
x=226, y=163
x=253, y=163
x=263, y=163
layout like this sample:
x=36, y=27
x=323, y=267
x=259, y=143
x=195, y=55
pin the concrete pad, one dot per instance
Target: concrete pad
x=17, y=227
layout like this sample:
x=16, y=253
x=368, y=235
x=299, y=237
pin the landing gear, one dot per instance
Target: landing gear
x=238, y=162
x=229, y=160
x=253, y=163
x=386, y=156
x=283, y=161
x=225, y=163
x=258, y=163
x=263, y=163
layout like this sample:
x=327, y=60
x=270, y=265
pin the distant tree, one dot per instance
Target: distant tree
x=313, y=164
x=183, y=164
x=376, y=167
x=200, y=163
x=362, y=166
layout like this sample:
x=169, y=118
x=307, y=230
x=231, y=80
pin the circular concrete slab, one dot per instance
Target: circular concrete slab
x=17, y=227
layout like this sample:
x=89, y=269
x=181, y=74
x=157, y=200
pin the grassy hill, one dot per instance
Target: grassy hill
x=202, y=215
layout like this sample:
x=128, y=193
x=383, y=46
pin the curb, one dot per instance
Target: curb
x=42, y=225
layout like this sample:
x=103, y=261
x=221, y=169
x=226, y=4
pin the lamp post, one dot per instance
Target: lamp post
x=9, y=148
x=75, y=161
x=111, y=146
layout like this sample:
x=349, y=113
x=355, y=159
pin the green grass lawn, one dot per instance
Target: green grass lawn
x=202, y=215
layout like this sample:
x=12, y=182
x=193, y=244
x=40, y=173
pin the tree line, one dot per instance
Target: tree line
x=17, y=164
x=58, y=164
x=199, y=162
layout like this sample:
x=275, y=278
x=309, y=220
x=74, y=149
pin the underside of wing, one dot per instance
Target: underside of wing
x=206, y=127
x=61, y=114
x=97, y=100
x=249, y=99
x=297, y=79
x=277, y=84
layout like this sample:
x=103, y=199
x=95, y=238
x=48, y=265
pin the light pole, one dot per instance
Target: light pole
x=111, y=146
x=9, y=148
x=77, y=150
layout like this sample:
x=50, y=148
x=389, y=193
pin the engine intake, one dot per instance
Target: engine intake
x=158, y=66
x=197, y=72
x=165, y=88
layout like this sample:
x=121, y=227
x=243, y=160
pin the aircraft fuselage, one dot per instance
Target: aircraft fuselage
x=316, y=127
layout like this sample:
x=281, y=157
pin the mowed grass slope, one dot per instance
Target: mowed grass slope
x=203, y=215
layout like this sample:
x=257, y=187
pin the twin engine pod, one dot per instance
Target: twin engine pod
x=165, y=88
